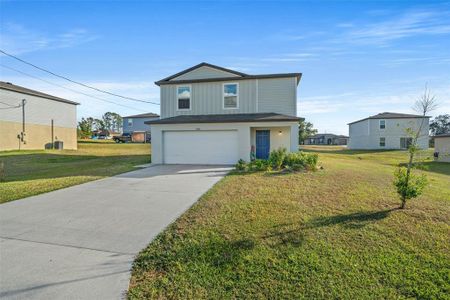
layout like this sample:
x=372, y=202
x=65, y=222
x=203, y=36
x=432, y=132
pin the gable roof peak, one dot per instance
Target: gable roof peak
x=202, y=64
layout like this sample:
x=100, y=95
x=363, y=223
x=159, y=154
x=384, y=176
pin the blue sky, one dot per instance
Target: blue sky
x=357, y=58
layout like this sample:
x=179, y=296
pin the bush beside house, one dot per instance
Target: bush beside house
x=281, y=160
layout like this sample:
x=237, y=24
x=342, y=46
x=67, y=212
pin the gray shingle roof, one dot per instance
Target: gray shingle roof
x=390, y=115
x=317, y=135
x=146, y=115
x=442, y=135
x=228, y=118
x=20, y=89
x=241, y=76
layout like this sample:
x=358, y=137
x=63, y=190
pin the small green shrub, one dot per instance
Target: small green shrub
x=299, y=160
x=311, y=160
x=259, y=165
x=2, y=171
x=411, y=188
x=277, y=158
x=241, y=165
x=281, y=160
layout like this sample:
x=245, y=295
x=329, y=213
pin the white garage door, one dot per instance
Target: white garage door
x=200, y=147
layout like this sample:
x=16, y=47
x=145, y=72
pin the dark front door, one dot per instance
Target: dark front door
x=262, y=144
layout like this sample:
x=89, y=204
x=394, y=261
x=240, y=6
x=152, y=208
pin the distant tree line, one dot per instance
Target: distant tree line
x=440, y=125
x=305, y=130
x=110, y=121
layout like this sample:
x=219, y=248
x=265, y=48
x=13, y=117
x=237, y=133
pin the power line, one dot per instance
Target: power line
x=69, y=89
x=76, y=82
x=9, y=105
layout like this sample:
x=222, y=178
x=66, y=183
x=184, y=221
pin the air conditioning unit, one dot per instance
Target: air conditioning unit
x=59, y=145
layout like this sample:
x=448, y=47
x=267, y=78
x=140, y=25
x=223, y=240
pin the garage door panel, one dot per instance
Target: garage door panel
x=200, y=147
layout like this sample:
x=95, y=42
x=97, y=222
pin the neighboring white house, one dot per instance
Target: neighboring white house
x=30, y=119
x=388, y=130
x=213, y=115
x=442, y=147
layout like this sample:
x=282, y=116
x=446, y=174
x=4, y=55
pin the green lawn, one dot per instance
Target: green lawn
x=28, y=173
x=330, y=234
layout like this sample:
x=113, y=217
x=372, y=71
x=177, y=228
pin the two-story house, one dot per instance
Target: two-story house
x=214, y=115
x=136, y=127
x=388, y=130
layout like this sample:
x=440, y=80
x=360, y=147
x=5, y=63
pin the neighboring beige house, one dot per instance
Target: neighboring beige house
x=388, y=130
x=213, y=115
x=442, y=147
x=33, y=120
x=326, y=139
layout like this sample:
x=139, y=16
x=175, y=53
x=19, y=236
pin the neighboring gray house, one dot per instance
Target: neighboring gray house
x=326, y=139
x=213, y=115
x=137, y=122
x=388, y=130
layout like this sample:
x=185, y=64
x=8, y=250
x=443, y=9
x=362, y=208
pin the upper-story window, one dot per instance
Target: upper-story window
x=184, y=97
x=230, y=95
x=130, y=122
x=382, y=124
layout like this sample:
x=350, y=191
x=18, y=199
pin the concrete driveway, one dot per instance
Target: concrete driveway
x=79, y=242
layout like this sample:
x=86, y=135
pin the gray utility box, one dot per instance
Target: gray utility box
x=59, y=145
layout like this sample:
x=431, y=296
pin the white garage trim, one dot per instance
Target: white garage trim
x=200, y=147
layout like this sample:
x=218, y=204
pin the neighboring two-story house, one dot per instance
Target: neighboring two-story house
x=136, y=127
x=30, y=119
x=388, y=131
x=214, y=115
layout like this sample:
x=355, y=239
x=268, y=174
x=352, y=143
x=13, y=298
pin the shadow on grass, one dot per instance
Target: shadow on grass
x=353, y=220
x=294, y=234
x=432, y=166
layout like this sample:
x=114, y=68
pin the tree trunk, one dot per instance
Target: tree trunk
x=408, y=172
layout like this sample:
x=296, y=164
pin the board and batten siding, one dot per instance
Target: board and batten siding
x=277, y=95
x=204, y=72
x=255, y=95
x=366, y=134
x=138, y=124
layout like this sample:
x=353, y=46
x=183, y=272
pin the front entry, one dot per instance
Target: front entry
x=262, y=144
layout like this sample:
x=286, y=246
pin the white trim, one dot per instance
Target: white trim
x=208, y=67
x=176, y=97
x=295, y=97
x=223, y=95
x=379, y=124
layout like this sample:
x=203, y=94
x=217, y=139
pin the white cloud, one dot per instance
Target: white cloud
x=426, y=22
x=17, y=39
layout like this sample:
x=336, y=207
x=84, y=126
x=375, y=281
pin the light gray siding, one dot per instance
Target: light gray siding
x=366, y=134
x=38, y=110
x=255, y=95
x=138, y=124
x=277, y=95
x=204, y=72
x=207, y=98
